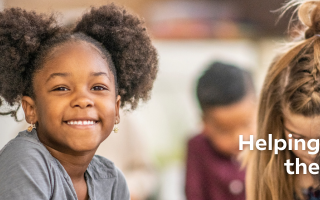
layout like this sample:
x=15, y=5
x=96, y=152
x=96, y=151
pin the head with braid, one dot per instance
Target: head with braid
x=289, y=109
x=68, y=78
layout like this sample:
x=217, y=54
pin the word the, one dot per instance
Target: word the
x=311, y=168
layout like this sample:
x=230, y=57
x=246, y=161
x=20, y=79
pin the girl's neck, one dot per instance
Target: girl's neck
x=75, y=165
x=305, y=181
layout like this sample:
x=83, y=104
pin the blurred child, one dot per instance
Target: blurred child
x=289, y=109
x=227, y=99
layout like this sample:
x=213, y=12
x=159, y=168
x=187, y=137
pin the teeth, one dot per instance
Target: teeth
x=85, y=122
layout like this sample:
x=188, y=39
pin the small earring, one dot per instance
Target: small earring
x=31, y=127
x=115, y=128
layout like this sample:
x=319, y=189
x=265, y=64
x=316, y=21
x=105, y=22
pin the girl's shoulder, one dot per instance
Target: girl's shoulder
x=104, y=172
x=26, y=166
x=102, y=168
x=25, y=153
x=24, y=144
x=309, y=194
x=312, y=194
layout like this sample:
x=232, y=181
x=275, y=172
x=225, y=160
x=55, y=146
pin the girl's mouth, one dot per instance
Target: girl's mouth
x=81, y=122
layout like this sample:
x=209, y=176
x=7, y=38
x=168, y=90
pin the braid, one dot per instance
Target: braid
x=302, y=90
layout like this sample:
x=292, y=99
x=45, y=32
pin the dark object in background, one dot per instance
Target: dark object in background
x=181, y=19
x=260, y=13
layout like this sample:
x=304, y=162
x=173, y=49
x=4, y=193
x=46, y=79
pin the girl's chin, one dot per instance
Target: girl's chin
x=82, y=147
x=307, y=161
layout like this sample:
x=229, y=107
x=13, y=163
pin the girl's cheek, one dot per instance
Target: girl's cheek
x=303, y=155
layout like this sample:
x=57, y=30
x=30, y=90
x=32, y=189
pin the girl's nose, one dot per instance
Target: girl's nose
x=82, y=101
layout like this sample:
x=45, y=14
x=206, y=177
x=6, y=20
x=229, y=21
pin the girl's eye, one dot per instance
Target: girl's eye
x=98, y=88
x=61, y=89
x=294, y=136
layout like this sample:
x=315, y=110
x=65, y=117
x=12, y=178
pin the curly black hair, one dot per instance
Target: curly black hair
x=223, y=84
x=26, y=38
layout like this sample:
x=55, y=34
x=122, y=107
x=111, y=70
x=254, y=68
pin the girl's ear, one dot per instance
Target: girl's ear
x=118, y=102
x=29, y=109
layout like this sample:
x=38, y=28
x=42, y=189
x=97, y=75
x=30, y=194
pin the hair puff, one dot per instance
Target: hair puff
x=124, y=36
x=21, y=34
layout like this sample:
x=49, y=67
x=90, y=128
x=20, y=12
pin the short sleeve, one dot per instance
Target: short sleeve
x=194, y=176
x=24, y=172
x=121, y=190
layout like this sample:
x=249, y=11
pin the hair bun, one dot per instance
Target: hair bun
x=21, y=34
x=310, y=32
x=309, y=15
x=125, y=37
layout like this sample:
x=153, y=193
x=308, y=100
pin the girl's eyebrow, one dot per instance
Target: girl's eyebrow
x=53, y=75
x=100, y=74
x=291, y=131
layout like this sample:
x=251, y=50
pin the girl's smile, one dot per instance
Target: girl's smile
x=76, y=104
x=82, y=124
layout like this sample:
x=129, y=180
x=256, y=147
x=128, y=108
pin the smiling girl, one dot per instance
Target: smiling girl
x=71, y=84
x=289, y=109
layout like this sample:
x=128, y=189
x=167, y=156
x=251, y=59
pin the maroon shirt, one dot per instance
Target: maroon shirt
x=211, y=175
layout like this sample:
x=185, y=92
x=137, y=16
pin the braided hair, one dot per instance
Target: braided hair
x=27, y=38
x=292, y=84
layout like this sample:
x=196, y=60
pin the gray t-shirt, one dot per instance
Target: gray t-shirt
x=29, y=171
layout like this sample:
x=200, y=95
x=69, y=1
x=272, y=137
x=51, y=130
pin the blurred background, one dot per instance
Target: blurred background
x=150, y=146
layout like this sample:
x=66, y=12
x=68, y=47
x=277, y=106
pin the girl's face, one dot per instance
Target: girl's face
x=301, y=127
x=75, y=104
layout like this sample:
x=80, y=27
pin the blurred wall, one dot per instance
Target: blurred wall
x=58, y=5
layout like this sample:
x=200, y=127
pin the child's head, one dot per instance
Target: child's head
x=289, y=107
x=71, y=83
x=227, y=99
